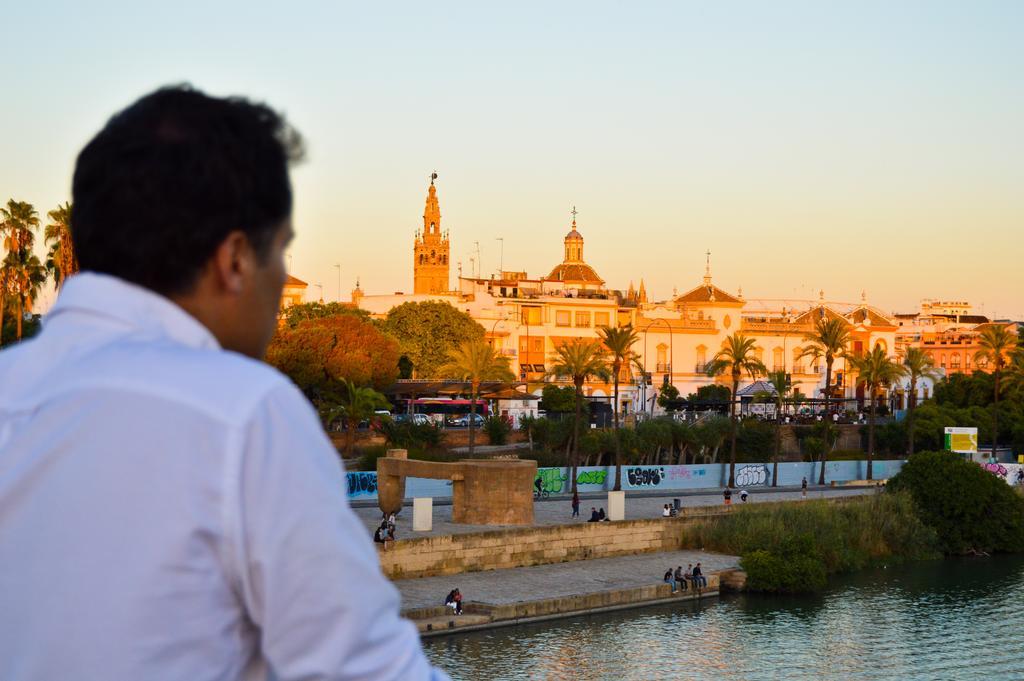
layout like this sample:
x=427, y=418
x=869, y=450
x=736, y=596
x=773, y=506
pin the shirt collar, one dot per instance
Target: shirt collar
x=134, y=306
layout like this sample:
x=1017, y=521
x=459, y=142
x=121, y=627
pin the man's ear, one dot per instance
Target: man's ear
x=233, y=262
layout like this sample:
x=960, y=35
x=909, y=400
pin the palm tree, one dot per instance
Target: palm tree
x=828, y=340
x=359, y=404
x=24, y=273
x=875, y=370
x=579, y=359
x=735, y=358
x=918, y=364
x=476, y=361
x=996, y=342
x=61, y=259
x=780, y=382
x=619, y=342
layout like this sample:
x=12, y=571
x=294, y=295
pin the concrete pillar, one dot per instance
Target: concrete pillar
x=616, y=505
x=422, y=514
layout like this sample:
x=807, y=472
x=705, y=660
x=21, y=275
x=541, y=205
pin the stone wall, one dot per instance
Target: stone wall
x=473, y=552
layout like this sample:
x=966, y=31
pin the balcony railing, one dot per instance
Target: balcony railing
x=663, y=367
x=701, y=367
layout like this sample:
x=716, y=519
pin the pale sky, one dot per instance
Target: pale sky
x=873, y=146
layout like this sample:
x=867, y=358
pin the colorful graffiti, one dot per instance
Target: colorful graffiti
x=645, y=477
x=996, y=469
x=360, y=484
x=551, y=479
x=591, y=477
x=752, y=476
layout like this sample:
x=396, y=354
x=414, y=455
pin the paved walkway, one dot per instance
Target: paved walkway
x=557, y=511
x=498, y=587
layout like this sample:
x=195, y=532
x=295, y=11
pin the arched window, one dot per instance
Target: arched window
x=954, y=361
x=702, y=358
x=778, y=359
x=967, y=361
x=881, y=344
x=942, y=360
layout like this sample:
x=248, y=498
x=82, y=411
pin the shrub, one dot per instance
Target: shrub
x=408, y=435
x=795, y=568
x=969, y=508
x=497, y=430
x=369, y=455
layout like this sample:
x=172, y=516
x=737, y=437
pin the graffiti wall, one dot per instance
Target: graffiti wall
x=549, y=481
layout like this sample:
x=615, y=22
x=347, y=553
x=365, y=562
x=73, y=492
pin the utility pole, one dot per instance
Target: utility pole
x=478, y=264
x=337, y=266
x=501, y=257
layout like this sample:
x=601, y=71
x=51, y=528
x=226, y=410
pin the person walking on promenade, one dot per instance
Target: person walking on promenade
x=803, y=487
x=575, y=504
x=142, y=438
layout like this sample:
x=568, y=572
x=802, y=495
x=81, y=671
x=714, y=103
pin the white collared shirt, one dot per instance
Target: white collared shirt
x=170, y=510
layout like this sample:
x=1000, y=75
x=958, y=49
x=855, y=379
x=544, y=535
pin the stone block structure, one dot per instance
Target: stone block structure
x=484, y=491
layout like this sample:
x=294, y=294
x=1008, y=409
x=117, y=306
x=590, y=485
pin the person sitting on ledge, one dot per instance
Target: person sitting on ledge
x=384, y=534
x=699, y=579
x=601, y=515
x=594, y=517
x=680, y=578
x=670, y=580
x=454, y=601
x=666, y=512
x=688, y=575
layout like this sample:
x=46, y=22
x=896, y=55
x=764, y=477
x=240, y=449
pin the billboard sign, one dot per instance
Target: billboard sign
x=962, y=440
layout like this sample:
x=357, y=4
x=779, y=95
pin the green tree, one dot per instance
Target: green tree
x=61, y=260
x=297, y=314
x=358, y=403
x=23, y=273
x=667, y=396
x=712, y=392
x=995, y=343
x=781, y=384
x=579, y=359
x=619, y=342
x=476, y=361
x=427, y=332
x=971, y=509
x=918, y=365
x=555, y=399
x=735, y=359
x=827, y=341
x=874, y=371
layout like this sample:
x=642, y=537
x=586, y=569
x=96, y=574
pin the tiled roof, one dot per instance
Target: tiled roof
x=575, y=272
x=706, y=293
x=292, y=281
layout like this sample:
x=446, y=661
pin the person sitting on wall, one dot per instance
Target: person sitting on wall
x=601, y=515
x=454, y=601
x=666, y=512
x=699, y=579
x=680, y=577
x=670, y=580
x=688, y=575
x=384, y=534
x=594, y=517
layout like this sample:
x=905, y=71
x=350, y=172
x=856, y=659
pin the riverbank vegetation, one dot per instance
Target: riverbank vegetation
x=970, y=509
x=790, y=548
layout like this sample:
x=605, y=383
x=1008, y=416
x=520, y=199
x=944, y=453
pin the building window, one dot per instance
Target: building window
x=582, y=319
x=954, y=361
x=531, y=315
x=601, y=319
x=942, y=360
x=562, y=318
x=967, y=361
x=778, y=360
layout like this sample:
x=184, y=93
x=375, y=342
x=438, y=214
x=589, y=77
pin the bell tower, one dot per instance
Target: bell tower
x=430, y=253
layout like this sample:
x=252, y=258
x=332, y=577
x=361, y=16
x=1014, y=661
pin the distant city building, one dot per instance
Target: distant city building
x=294, y=292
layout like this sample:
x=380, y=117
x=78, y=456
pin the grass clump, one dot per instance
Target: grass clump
x=788, y=548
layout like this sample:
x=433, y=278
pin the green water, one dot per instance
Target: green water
x=944, y=619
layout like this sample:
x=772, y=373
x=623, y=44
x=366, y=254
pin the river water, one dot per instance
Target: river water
x=943, y=619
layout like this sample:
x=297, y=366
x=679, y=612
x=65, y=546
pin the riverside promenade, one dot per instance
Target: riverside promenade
x=556, y=510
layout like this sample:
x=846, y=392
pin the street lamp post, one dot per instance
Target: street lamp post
x=337, y=266
x=671, y=352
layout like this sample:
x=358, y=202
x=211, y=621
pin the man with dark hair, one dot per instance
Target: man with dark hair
x=170, y=507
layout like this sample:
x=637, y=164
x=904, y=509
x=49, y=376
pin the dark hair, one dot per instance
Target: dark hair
x=167, y=179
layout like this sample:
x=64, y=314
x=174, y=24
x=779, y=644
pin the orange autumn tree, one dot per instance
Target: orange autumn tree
x=318, y=354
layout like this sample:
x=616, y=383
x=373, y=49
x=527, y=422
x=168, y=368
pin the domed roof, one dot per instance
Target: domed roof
x=573, y=234
x=575, y=272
